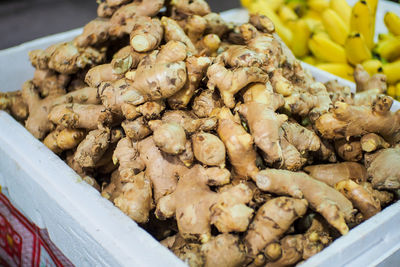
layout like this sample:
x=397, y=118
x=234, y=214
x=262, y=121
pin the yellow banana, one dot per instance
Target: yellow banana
x=301, y=34
x=312, y=14
x=373, y=5
x=398, y=91
x=385, y=36
x=246, y=3
x=325, y=49
x=263, y=8
x=389, y=49
x=318, y=5
x=335, y=26
x=361, y=21
x=356, y=48
x=271, y=4
x=392, y=71
x=286, y=13
x=392, y=22
x=372, y=66
x=391, y=90
x=339, y=69
x=314, y=25
x=309, y=60
x=342, y=8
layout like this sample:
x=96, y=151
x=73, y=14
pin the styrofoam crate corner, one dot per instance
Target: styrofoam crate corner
x=90, y=231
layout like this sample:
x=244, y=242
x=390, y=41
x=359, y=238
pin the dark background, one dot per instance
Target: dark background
x=25, y=20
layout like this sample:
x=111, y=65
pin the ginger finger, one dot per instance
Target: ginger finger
x=94, y=33
x=162, y=169
x=189, y=121
x=238, y=143
x=364, y=82
x=371, y=142
x=69, y=138
x=383, y=169
x=209, y=149
x=151, y=109
x=137, y=129
x=187, y=8
x=349, y=150
x=169, y=137
x=360, y=197
x=13, y=102
x=85, y=116
x=272, y=220
x=174, y=32
x=229, y=82
x=332, y=205
x=92, y=148
x=332, y=174
x=196, y=70
x=146, y=35
x=205, y=103
x=135, y=198
x=127, y=155
x=194, y=216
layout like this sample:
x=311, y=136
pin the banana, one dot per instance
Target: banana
x=309, y=60
x=361, y=21
x=246, y=3
x=392, y=22
x=301, y=34
x=335, y=26
x=385, y=36
x=392, y=71
x=342, y=8
x=325, y=49
x=372, y=66
x=391, y=90
x=389, y=49
x=286, y=13
x=397, y=92
x=318, y=5
x=271, y=4
x=339, y=69
x=356, y=48
x=262, y=7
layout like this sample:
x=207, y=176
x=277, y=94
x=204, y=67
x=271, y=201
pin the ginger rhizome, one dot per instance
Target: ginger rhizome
x=211, y=135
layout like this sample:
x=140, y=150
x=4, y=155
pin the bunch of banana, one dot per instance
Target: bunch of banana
x=335, y=37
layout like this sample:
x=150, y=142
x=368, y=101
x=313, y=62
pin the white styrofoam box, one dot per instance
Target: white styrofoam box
x=90, y=231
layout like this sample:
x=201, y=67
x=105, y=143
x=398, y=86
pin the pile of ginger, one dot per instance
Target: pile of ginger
x=211, y=135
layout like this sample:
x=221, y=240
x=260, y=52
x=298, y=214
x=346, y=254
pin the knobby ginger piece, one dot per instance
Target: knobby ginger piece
x=147, y=34
x=162, y=169
x=349, y=120
x=384, y=169
x=259, y=111
x=85, y=116
x=365, y=82
x=332, y=205
x=93, y=147
x=195, y=206
x=174, y=32
x=238, y=143
x=209, y=149
x=361, y=198
x=371, y=142
x=272, y=220
x=196, y=70
x=231, y=81
x=331, y=174
x=169, y=137
x=127, y=155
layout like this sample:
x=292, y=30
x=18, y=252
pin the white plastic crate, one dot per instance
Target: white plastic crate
x=90, y=231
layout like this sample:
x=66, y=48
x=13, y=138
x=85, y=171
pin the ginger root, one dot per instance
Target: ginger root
x=272, y=220
x=332, y=205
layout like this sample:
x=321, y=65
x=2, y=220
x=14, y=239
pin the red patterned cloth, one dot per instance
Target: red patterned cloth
x=23, y=243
